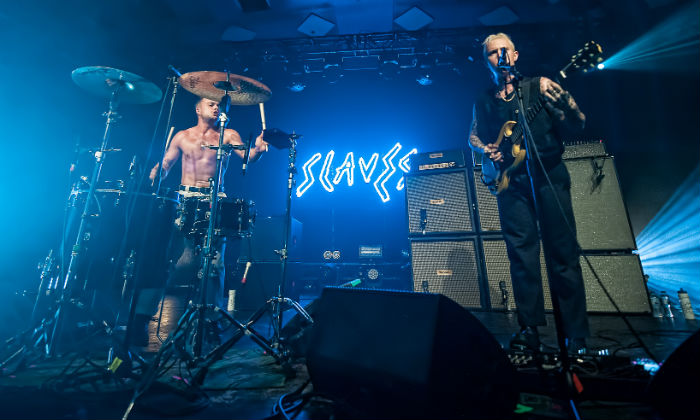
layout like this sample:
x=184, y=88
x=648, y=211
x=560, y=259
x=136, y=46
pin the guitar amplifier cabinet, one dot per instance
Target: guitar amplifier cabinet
x=621, y=275
x=448, y=159
x=448, y=267
x=498, y=276
x=486, y=205
x=601, y=216
x=438, y=202
x=623, y=279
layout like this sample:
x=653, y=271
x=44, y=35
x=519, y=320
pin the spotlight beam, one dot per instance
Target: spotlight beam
x=665, y=47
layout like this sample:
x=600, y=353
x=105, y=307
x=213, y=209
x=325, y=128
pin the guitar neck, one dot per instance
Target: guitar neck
x=530, y=116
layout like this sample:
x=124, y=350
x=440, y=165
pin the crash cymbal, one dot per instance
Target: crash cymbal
x=245, y=91
x=103, y=81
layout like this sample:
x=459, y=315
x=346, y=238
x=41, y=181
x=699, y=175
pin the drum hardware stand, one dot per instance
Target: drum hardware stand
x=275, y=305
x=35, y=335
x=130, y=291
x=50, y=328
x=166, y=141
x=196, y=312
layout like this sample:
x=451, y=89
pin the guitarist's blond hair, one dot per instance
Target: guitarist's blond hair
x=496, y=36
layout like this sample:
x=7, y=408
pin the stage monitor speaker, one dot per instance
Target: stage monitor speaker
x=486, y=205
x=620, y=274
x=622, y=277
x=448, y=267
x=407, y=355
x=601, y=216
x=438, y=202
x=674, y=389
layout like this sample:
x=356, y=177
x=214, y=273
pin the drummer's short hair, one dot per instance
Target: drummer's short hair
x=496, y=36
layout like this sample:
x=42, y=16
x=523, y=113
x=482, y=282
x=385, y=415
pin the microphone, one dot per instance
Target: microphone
x=504, y=291
x=174, y=70
x=246, y=157
x=245, y=273
x=423, y=220
x=502, y=58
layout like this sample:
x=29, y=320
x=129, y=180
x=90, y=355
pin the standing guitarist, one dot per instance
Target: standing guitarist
x=515, y=204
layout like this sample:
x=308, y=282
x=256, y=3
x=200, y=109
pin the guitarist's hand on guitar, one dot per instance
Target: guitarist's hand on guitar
x=560, y=103
x=491, y=151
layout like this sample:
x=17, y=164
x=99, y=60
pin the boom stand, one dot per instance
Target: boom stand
x=195, y=312
x=78, y=248
x=275, y=305
x=566, y=372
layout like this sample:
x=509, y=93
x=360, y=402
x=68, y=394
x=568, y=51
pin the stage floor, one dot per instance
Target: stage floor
x=247, y=383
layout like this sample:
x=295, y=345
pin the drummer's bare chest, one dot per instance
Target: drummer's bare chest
x=194, y=146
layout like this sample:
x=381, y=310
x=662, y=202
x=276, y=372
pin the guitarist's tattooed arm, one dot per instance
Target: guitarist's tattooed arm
x=489, y=150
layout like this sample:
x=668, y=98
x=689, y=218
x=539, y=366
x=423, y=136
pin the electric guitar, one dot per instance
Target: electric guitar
x=496, y=175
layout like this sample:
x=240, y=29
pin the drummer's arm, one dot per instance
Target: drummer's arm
x=170, y=158
x=260, y=147
x=256, y=150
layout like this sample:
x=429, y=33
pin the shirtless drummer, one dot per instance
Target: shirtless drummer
x=198, y=166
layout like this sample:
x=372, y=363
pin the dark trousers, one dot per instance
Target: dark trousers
x=519, y=224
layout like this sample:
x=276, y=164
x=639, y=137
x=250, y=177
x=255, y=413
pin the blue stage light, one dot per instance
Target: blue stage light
x=670, y=46
x=668, y=246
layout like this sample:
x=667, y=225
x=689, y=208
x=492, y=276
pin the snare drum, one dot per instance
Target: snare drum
x=236, y=217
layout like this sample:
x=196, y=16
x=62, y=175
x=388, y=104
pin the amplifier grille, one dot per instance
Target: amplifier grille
x=449, y=268
x=498, y=270
x=487, y=205
x=443, y=198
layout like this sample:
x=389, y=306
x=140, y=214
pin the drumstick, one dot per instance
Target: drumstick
x=262, y=118
x=262, y=115
x=170, y=136
x=167, y=144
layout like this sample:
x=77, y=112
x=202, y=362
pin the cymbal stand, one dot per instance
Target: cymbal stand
x=78, y=248
x=195, y=312
x=130, y=288
x=275, y=305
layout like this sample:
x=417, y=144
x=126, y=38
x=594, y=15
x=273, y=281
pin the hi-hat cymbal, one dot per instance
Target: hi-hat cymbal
x=245, y=91
x=103, y=81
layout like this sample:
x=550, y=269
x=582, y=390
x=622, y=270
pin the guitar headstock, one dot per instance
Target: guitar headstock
x=584, y=60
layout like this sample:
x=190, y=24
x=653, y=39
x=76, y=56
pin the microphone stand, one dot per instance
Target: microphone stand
x=196, y=312
x=78, y=248
x=273, y=346
x=530, y=147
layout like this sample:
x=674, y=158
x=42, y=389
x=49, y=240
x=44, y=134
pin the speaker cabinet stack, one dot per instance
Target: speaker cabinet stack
x=442, y=224
x=458, y=248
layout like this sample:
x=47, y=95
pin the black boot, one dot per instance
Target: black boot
x=527, y=339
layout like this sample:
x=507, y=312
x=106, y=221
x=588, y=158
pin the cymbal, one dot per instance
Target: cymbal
x=245, y=91
x=103, y=81
x=277, y=138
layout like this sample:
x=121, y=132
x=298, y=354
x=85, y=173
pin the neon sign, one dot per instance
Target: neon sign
x=346, y=171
